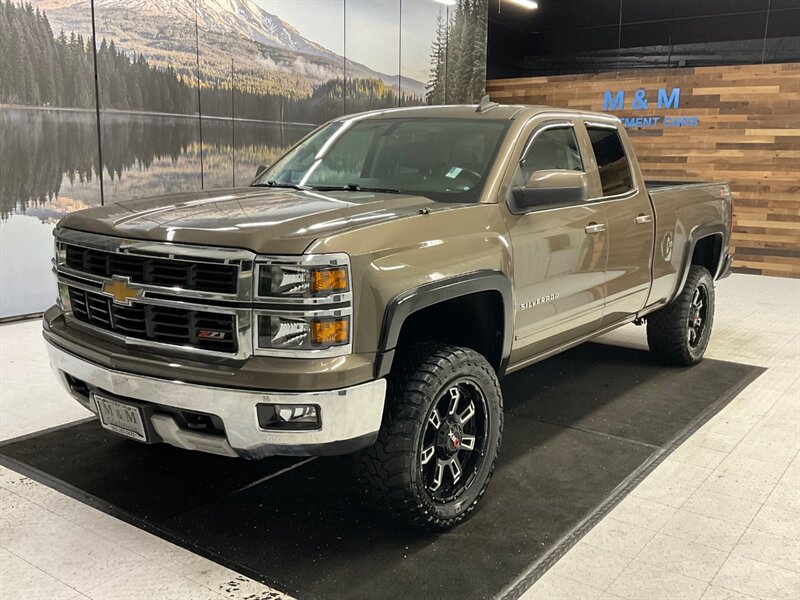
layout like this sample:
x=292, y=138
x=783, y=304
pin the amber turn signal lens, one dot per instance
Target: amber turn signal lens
x=328, y=280
x=331, y=332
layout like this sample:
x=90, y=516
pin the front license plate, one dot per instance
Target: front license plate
x=121, y=418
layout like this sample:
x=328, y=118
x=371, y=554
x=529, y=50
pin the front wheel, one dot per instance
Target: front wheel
x=678, y=334
x=440, y=437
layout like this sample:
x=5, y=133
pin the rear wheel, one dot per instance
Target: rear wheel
x=679, y=333
x=441, y=433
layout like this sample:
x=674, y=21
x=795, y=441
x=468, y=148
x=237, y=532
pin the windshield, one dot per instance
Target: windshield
x=446, y=160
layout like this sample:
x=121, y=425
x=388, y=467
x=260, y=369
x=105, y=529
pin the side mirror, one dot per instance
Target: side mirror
x=550, y=188
x=260, y=170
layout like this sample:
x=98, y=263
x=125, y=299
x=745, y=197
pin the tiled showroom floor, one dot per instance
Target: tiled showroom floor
x=718, y=519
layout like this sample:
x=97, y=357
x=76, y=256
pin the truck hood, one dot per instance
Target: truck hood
x=264, y=220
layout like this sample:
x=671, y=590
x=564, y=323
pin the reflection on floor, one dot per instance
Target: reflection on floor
x=720, y=518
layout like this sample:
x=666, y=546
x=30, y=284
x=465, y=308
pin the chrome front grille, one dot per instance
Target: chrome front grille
x=195, y=328
x=167, y=272
x=181, y=299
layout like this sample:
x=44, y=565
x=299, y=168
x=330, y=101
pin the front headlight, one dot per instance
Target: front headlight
x=323, y=276
x=303, y=332
x=307, y=305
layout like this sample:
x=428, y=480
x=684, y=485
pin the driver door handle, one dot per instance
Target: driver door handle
x=594, y=228
x=643, y=218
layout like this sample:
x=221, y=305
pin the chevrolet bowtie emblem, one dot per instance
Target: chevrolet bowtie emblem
x=121, y=291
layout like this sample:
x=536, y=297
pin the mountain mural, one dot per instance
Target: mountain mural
x=238, y=40
x=40, y=68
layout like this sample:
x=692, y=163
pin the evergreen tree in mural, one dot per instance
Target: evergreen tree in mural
x=37, y=68
x=458, y=55
x=435, y=87
x=130, y=83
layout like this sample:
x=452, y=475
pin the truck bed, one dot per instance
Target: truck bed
x=659, y=185
x=683, y=211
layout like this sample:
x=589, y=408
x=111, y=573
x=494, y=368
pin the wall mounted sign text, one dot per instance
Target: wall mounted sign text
x=666, y=98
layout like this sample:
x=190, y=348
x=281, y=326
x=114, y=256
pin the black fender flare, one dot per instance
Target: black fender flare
x=695, y=236
x=406, y=303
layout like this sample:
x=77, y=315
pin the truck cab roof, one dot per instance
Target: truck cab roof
x=508, y=112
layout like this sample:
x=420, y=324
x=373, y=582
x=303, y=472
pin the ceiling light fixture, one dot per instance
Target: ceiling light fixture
x=527, y=4
x=447, y=2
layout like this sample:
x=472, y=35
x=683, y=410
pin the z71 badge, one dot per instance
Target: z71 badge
x=212, y=334
x=537, y=301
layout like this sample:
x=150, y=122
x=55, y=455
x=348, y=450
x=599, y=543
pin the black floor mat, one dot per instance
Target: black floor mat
x=578, y=425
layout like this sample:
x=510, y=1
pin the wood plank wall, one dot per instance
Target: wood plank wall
x=748, y=134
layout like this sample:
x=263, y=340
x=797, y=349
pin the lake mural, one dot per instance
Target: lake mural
x=194, y=94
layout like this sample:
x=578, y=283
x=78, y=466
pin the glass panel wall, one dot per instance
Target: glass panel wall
x=48, y=144
x=147, y=73
x=372, y=48
x=423, y=26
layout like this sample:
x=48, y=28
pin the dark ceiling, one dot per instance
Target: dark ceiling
x=572, y=36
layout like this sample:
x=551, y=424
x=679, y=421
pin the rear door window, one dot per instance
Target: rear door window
x=615, y=172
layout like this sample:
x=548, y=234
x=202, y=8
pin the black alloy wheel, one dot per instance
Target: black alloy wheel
x=697, y=315
x=452, y=445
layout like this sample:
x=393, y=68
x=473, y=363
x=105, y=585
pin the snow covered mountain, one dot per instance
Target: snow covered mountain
x=237, y=30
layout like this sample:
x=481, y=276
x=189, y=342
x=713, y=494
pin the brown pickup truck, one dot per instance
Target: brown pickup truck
x=368, y=290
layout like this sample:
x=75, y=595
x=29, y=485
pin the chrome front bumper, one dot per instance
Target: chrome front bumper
x=350, y=417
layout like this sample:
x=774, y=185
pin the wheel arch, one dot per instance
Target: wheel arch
x=705, y=247
x=427, y=313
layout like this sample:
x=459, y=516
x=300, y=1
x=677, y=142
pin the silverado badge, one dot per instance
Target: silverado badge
x=537, y=301
x=120, y=290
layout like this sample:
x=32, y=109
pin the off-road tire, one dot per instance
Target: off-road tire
x=668, y=332
x=390, y=471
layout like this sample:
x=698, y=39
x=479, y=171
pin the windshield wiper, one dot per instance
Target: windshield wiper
x=275, y=184
x=354, y=187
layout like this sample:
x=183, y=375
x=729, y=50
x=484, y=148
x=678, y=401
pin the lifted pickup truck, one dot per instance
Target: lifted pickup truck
x=366, y=293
